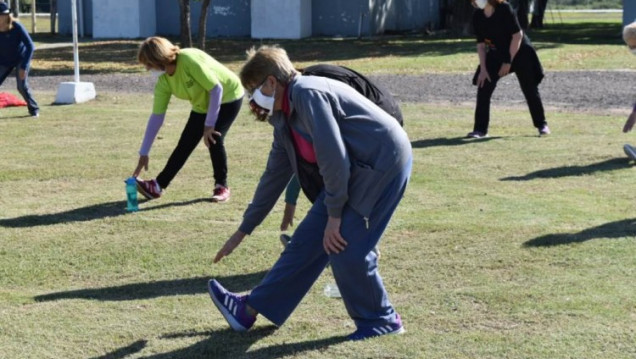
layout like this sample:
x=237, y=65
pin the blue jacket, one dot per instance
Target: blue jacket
x=16, y=47
x=359, y=148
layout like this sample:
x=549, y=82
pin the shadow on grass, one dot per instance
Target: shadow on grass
x=566, y=171
x=618, y=229
x=227, y=343
x=84, y=214
x=453, y=141
x=162, y=288
x=125, y=351
x=581, y=33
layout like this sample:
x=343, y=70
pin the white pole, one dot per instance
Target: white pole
x=75, y=46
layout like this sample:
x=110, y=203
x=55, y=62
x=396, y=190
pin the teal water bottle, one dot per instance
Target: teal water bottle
x=131, y=195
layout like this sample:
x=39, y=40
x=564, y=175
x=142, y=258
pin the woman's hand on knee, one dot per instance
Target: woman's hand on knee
x=481, y=79
x=332, y=240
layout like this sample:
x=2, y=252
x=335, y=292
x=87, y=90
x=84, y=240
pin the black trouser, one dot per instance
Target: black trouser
x=523, y=67
x=190, y=137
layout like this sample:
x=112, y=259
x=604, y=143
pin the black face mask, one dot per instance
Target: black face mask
x=259, y=112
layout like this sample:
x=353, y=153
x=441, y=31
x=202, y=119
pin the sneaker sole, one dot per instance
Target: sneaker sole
x=284, y=239
x=395, y=332
x=629, y=152
x=143, y=192
x=215, y=200
x=225, y=312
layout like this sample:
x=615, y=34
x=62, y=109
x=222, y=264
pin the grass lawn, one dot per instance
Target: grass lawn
x=513, y=246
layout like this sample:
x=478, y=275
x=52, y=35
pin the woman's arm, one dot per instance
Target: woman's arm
x=515, y=44
x=152, y=128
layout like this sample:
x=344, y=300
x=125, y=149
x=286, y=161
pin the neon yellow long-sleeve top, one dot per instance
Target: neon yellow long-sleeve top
x=195, y=75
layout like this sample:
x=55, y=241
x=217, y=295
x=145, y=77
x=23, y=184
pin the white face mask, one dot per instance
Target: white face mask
x=156, y=73
x=266, y=102
x=481, y=3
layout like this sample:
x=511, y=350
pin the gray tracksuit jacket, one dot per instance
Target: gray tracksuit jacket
x=358, y=147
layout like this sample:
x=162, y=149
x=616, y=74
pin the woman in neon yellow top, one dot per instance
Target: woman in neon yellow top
x=216, y=95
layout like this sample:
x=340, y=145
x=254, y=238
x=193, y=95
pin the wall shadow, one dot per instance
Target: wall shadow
x=229, y=344
x=85, y=214
x=452, y=141
x=618, y=229
x=155, y=289
x=568, y=171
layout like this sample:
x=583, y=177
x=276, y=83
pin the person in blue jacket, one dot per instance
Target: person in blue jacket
x=16, y=51
x=364, y=160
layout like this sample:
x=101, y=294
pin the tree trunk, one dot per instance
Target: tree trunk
x=53, y=12
x=457, y=16
x=538, y=13
x=522, y=13
x=15, y=8
x=186, y=34
x=203, y=24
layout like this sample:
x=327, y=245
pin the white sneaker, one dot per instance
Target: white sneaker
x=630, y=151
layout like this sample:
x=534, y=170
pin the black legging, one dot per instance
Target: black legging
x=190, y=137
x=522, y=66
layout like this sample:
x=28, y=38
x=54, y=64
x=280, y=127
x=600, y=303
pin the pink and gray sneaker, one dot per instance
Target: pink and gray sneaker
x=233, y=307
x=149, y=189
x=221, y=194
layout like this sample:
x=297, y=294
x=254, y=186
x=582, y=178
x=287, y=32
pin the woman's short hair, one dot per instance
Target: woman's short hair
x=157, y=52
x=263, y=62
x=629, y=33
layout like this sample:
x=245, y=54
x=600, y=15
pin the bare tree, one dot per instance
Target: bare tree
x=522, y=8
x=186, y=34
x=538, y=13
x=203, y=23
x=53, y=12
x=457, y=15
x=14, y=5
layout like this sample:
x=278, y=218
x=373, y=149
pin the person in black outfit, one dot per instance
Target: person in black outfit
x=504, y=48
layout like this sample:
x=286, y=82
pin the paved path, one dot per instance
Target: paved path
x=585, y=90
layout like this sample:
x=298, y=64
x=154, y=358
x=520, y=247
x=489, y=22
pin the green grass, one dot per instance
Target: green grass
x=515, y=246
x=509, y=247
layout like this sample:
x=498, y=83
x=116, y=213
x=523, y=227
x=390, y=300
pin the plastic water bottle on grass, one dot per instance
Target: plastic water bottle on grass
x=132, y=205
x=331, y=290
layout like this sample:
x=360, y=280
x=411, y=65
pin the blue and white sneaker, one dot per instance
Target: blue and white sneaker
x=232, y=306
x=370, y=332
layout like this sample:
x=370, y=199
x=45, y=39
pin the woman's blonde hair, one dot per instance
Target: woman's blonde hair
x=629, y=33
x=263, y=62
x=157, y=52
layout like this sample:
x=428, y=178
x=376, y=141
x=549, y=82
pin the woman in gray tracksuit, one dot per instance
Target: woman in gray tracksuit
x=364, y=160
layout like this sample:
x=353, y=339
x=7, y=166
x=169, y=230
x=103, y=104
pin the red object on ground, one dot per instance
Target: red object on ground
x=7, y=100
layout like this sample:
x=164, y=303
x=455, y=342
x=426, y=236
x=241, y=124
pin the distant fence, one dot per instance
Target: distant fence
x=41, y=18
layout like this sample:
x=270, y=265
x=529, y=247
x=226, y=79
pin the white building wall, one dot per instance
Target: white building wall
x=124, y=19
x=281, y=19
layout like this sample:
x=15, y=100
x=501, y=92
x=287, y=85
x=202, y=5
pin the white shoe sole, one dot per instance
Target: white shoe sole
x=630, y=151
